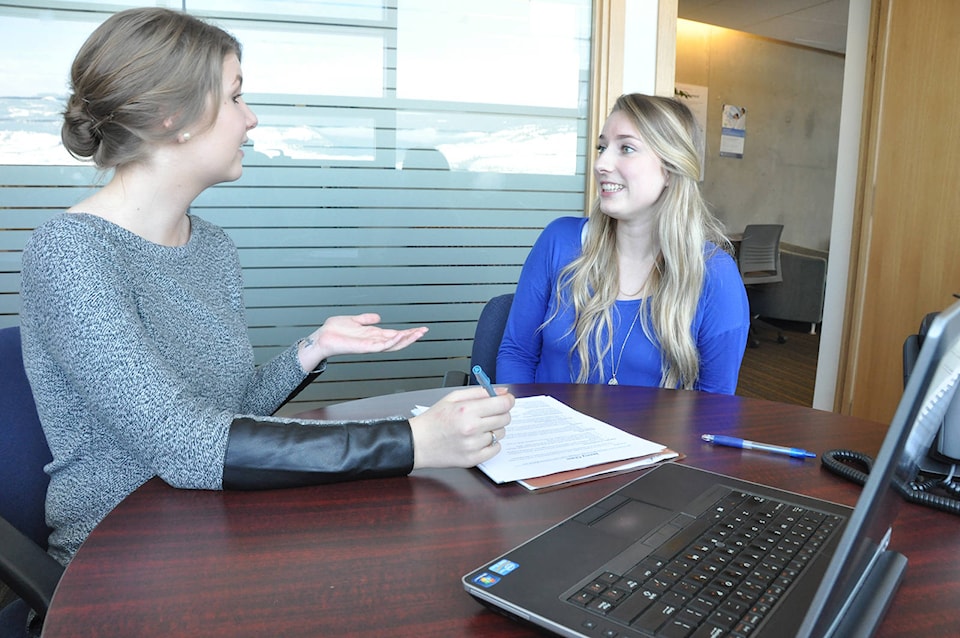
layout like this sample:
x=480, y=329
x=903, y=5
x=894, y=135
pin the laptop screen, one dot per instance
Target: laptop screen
x=917, y=419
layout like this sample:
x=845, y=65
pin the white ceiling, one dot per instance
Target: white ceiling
x=821, y=24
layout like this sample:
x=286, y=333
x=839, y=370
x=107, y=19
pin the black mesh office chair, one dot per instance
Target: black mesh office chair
x=25, y=566
x=759, y=260
x=486, y=341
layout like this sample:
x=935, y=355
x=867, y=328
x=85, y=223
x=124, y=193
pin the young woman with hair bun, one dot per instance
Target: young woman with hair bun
x=134, y=335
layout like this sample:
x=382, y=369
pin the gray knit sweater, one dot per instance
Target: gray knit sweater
x=139, y=360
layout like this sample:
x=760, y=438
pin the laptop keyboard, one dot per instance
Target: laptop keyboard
x=719, y=576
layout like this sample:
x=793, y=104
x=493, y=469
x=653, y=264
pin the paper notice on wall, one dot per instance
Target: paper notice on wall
x=733, y=131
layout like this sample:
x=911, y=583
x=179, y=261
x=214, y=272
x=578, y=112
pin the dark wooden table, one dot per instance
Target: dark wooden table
x=385, y=557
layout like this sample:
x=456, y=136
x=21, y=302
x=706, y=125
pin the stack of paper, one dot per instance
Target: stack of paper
x=548, y=443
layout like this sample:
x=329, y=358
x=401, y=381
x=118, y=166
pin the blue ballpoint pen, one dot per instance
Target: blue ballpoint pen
x=732, y=441
x=484, y=380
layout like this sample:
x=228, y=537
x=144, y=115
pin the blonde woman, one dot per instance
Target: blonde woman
x=642, y=292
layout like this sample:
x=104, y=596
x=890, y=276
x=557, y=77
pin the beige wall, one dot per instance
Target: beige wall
x=792, y=95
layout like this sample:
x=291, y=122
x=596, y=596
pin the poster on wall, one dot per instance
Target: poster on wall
x=695, y=97
x=733, y=131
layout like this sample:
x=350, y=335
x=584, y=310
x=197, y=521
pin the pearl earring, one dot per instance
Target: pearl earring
x=186, y=137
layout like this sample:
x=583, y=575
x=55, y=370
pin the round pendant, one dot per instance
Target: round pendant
x=612, y=381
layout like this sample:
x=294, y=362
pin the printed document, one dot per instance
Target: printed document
x=546, y=436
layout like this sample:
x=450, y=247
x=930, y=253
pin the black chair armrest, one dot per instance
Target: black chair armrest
x=29, y=571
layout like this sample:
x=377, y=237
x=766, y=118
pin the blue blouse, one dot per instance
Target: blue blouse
x=530, y=355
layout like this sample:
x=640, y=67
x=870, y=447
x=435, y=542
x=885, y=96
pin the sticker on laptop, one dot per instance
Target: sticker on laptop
x=503, y=566
x=486, y=579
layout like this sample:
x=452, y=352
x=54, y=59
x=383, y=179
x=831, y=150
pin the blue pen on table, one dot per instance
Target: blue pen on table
x=484, y=380
x=732, y=441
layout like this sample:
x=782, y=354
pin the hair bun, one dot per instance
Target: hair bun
x=80, y=132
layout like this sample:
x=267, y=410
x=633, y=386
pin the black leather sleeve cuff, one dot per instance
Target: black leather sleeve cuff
x=268, y=454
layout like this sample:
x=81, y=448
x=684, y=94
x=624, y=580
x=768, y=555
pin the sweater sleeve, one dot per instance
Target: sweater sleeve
x=273, y=381
x=270, y=384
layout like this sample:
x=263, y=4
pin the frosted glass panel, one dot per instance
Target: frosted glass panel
x=507, y=52
x=408, y=154
x=309, y=60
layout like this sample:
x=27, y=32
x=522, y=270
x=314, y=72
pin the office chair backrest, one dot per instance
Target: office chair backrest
x=489, y=333
x=759, y=254
x=912, y=345
x=23, y=446
x=25, y=566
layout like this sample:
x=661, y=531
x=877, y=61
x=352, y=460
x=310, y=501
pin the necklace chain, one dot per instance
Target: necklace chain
x=623, y=346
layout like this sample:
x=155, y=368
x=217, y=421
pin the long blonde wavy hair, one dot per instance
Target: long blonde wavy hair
x=684, y=224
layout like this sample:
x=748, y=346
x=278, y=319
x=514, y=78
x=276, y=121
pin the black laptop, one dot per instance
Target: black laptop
x=682, y=552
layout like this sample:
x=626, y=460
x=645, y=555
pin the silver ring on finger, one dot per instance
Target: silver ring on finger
x=493, y=438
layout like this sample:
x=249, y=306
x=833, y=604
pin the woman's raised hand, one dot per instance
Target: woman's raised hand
x=357, y=334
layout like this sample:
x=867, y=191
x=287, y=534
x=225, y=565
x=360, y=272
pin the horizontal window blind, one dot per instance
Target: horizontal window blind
x=414, y=190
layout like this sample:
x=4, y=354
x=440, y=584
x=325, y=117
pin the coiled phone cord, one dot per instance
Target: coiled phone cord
x=856, y=466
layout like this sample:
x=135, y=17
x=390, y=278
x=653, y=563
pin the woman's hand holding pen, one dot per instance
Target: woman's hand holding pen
x=355, y=334
x=463, y=429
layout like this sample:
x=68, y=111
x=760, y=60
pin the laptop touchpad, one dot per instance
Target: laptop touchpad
x=633, y=519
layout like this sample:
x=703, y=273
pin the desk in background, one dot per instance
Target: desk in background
x=384, y=557
x=800, y=296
